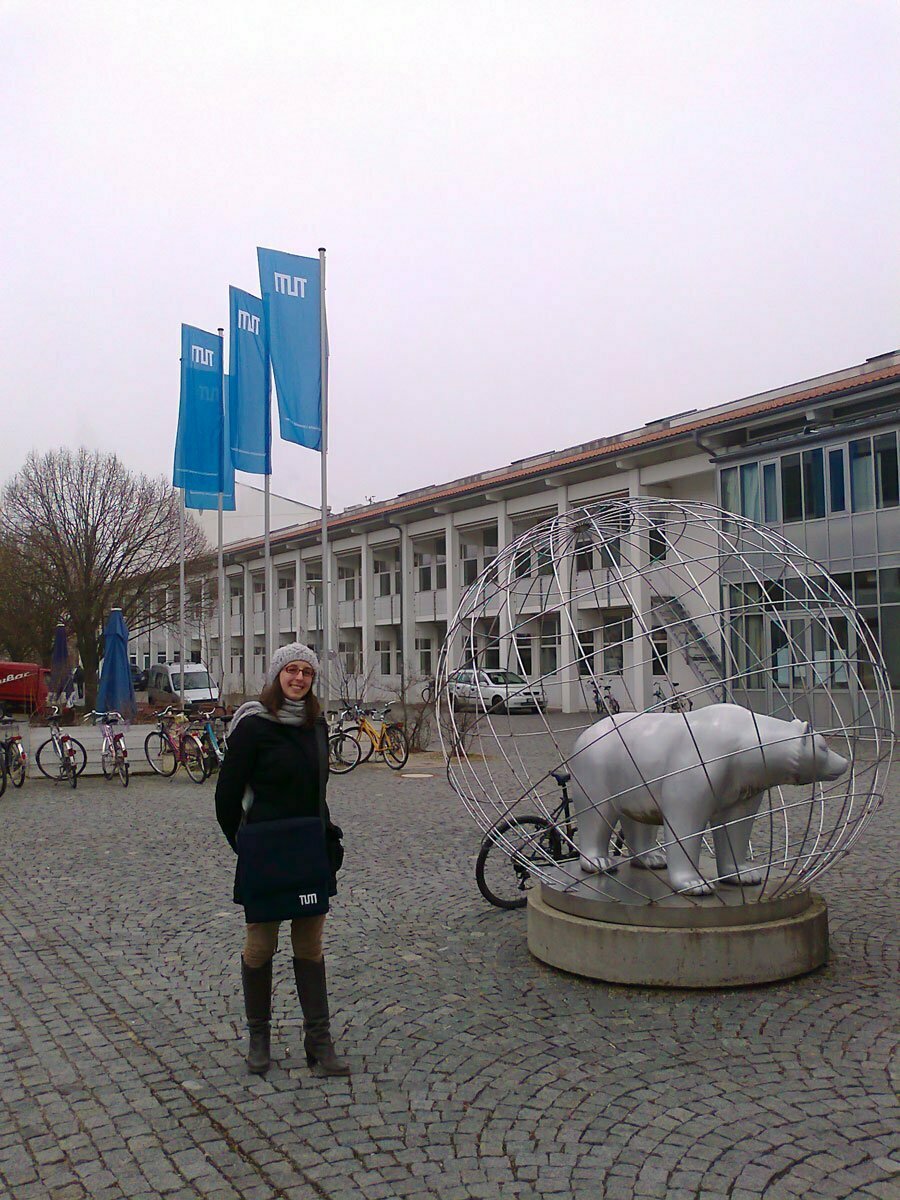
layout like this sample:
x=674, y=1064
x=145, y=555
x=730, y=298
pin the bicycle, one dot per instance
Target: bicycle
x=61, y=758
x=503, y=874
x=674, y=703
x=606, y=705
x=344, y=752
x=13, y=753
x=213, y=748
x=165, y=754
x=389, y=741
x=113, y=751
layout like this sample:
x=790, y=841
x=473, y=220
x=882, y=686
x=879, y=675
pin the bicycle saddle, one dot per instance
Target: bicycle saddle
x=561, y=776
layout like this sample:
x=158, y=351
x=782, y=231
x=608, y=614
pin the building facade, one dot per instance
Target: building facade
x=817, y=461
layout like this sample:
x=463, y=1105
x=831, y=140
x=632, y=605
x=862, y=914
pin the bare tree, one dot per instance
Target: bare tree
x=98, y=537
x=29, y=610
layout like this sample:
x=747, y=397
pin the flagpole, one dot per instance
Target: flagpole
x=181, y=593
x=326, y=564
x=226, y=450
x=267, y=576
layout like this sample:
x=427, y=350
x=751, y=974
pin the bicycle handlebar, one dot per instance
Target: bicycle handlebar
x=102, y=716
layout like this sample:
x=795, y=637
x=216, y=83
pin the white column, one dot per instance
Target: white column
x=248, y=681
x=300, y=630
x=367, y=618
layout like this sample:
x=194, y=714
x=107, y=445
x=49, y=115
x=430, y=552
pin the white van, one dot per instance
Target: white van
x=164, y=684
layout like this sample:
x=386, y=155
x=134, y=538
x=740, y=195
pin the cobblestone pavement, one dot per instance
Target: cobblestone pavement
x=478, y=1072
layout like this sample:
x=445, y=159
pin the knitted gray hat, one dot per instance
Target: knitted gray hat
x=295, y=652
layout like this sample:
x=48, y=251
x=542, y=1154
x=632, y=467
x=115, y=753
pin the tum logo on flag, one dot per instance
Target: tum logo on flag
x=247, y=321
x=290, y=285
x=202, y=356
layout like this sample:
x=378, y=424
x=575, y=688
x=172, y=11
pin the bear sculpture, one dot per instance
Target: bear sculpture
x=687, y=771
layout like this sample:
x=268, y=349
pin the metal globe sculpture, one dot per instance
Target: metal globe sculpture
x=624, y=609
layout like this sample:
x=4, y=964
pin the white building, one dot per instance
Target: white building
x=823, y=454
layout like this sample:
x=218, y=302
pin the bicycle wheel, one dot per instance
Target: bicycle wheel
x=503, y=878
x=122, y=768
x=160, y=754
x=107, y=761
x=366, y=744
x=192, y=757
x=396, y=747
x=16, y=763
x=3, y=774
x=79, y=755
x=344, y=753
x=49, y=762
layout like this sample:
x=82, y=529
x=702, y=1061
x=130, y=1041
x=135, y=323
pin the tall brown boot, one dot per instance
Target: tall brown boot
x=317, y=1043
x=257, y=983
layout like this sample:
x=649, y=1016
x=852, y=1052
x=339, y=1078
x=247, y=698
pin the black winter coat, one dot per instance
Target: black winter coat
x=286, y=768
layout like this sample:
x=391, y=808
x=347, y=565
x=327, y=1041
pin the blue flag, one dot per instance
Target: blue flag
x=248, y=389
x=200, y=438
x=290, y=292
x=201, y=500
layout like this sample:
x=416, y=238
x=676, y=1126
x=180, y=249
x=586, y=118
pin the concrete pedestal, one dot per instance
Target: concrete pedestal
x=716, y=941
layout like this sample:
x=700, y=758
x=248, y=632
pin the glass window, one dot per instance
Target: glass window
x=836, y=480
x=584, y=648
x=584, y=552
x=659, y=643
x=383, y=651
x=657, y=543
x=750, y=491
x=522, y=564
x=791, y=488
x=523, y=649
x=259, y=595
x=781, y=655
x=731, y=497
x=285, y=591
x=886, y=478
x=770, y=491
x=866, y=669
x=865, y=587
x=423, y=648
x=813, y=484
x=422, y=563
x=890, y=646
x=862, y=478
x=889, y=577
x=616, y=632
x=549, y=644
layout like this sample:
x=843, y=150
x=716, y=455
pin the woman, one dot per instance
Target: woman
x=278, y=757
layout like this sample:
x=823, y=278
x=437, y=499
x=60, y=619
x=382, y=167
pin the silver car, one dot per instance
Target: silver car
x=498, y=691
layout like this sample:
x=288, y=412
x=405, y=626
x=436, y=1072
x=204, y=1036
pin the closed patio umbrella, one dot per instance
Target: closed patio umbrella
x=60, y=674
x=116, y=691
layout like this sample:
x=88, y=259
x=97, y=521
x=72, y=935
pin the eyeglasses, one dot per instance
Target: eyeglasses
x=306, y=672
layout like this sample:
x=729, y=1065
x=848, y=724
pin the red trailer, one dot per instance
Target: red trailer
x=23, y=686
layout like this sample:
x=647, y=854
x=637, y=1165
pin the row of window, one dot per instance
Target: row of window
x=859, y=476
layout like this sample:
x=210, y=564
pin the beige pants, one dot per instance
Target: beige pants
x=306, y=940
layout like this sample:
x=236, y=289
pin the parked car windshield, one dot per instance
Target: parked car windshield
x=192, y=679
x=506, y=677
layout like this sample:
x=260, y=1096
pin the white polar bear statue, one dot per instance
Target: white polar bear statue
x=686, y=771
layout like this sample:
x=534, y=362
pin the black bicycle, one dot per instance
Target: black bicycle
x=606, y=704
x=514, y=846
x=674, y=703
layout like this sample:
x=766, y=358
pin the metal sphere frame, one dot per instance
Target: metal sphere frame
x=706, y=605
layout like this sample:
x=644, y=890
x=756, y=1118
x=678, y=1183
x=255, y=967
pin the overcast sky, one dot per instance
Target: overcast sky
x=545, y=222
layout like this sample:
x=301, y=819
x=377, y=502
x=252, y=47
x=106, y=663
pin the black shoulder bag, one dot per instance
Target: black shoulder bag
x=283, y=868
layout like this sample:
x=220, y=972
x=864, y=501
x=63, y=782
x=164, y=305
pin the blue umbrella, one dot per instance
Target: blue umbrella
x=60, y=675
x=116, y=689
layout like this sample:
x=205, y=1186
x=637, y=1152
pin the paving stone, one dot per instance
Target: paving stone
x=478, y=1072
